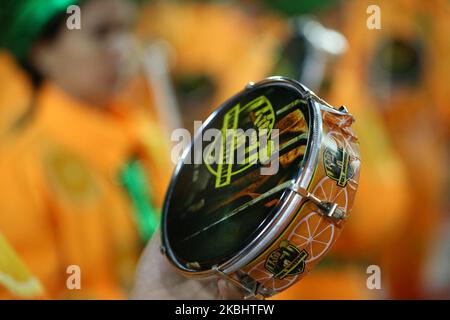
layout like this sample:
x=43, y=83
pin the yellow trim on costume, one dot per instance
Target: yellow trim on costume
x=14, y=275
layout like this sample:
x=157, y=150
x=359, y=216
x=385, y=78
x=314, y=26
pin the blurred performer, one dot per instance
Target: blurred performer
x=214, y=50
x=232, y=51
x=84, y=173
x=399, y=71
x=312, y=55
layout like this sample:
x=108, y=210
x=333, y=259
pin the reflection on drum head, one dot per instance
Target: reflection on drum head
x=215, y=209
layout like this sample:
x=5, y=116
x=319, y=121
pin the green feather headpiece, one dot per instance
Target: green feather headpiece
x=22, y=21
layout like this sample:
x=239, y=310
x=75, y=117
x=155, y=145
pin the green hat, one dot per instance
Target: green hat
x=22, y=21
x=295, y=7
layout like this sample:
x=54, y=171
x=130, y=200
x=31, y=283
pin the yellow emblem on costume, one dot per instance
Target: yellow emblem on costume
x=70, y=176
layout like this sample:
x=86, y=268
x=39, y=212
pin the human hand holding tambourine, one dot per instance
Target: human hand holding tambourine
x=156, y=280
x=261, y=224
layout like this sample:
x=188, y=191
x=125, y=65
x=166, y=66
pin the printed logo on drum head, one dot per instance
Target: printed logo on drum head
x=287, y=260
x=337, y=162
x=258, y=115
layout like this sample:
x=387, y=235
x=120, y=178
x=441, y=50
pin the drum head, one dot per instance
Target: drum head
x=215, y=208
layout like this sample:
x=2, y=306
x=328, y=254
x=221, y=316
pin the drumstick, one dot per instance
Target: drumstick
x=246, y=205
x=157, y=75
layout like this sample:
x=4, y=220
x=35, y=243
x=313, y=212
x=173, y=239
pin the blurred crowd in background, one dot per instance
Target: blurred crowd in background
x=86, y=117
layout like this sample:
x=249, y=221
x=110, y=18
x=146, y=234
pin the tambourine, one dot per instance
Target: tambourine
x=265, y=221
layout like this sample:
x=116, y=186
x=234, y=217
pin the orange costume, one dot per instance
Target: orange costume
x=410, y=111
x=73, y=192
